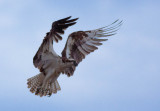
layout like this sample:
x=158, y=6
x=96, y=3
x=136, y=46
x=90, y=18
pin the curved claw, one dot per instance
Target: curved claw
x=49, y=95
x=75, y=63
x=38, y=90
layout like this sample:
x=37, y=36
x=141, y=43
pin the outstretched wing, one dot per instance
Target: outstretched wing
x=45, y=51
x=82, y=43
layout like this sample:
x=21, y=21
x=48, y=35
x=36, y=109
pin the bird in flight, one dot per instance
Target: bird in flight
x=79, y=44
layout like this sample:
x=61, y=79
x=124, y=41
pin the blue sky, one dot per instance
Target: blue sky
x=123, y=75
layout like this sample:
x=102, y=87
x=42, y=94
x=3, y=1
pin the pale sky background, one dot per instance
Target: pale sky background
x=123, y=75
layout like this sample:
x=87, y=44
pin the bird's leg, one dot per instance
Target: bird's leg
x=46, y=79
x=50, y=91
x=49, y=94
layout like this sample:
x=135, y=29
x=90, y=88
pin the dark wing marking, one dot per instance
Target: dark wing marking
x=59, y=26
x=82, y=43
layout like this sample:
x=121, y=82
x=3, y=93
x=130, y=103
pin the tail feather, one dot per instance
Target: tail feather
x=35, y=81
x=35, y=85
x=55, y=87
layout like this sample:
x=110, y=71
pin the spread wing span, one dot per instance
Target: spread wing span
x=46, y=51
x=82, y=43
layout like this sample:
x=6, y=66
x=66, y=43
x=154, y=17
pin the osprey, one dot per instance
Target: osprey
x=78, y=45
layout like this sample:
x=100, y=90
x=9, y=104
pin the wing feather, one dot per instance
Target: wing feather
x=82, y=43
x=46, y=50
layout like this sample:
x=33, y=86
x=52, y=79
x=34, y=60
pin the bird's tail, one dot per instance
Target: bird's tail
x=35, y=85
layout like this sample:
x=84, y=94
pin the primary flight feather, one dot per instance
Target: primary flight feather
x=78, y=45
